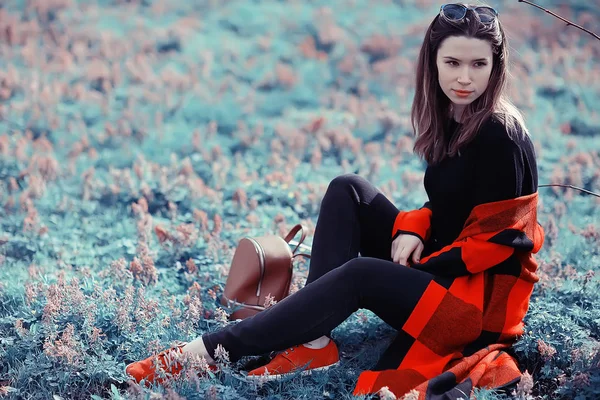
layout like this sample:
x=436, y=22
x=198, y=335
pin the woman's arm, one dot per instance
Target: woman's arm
x=500, y=166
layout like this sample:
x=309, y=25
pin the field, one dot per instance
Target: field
x=141, y=139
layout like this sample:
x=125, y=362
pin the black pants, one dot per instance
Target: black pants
x=355, y=217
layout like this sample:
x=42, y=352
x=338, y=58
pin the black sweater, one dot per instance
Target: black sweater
x=490, y=168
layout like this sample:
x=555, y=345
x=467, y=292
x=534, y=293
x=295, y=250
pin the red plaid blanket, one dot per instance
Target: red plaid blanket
x=454, y=340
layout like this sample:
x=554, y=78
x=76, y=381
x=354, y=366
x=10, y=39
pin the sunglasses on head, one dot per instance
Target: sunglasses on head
x=456, y=12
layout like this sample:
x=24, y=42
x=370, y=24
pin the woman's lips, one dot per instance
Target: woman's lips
x=460, y=93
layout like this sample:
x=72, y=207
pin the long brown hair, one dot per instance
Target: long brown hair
x=431, y=109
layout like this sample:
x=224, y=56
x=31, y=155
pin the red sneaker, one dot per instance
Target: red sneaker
x=168, y=363
x=295, y=359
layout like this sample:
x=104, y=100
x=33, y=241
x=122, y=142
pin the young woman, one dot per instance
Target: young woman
x=478, y=151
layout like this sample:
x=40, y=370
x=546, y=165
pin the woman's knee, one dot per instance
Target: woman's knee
x=354, y=271
x=343, y=183
x=344, y=180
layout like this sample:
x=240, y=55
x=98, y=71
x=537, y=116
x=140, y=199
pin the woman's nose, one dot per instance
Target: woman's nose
x=464, y=77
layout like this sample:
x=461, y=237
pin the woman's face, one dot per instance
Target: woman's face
x=464, y=64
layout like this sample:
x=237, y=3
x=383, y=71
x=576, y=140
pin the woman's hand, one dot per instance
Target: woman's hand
x=405, y=245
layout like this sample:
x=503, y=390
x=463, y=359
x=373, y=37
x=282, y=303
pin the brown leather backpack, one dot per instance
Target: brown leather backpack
x=261, y=266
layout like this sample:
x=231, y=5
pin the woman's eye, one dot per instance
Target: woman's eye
x=478, y=64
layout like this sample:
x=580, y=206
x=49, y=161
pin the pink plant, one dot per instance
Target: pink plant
x=122, y=319
x=117, y=270
x=581, y=380
x=380, y=45
x=78, y=301
x=53, y=305
x=46, y=166
x=201, y=217
x=194, y=310
x=140, y=207
x=362, y=317
x=194, y=362
x=187, y=235
x=546, y=350
x=216, y=248
x=221, y=315
x=308, y=49
x=193, y=291
x=240, y=198
x=191, y=266
x=386, y=394
x=253, y=219
x=66, y=348
x=551, y=228
x=589, y=275
x=591, y=232
x=253, y=204
x=96, y=335
x=35, y=189
x=146, y=309
x=144, y=229
x=144, y=270
x=31, y=221
x=557, y=177
x=217, y=225
x=19, y=328
x=525, y=386
x=560, y=209
x=269, y=301
x=4, y=390
x=4, y=145
x=411, y=181
x=412, y=395
x=221, y=355
x=295, y=285
x=574, y=177
x=212, y=294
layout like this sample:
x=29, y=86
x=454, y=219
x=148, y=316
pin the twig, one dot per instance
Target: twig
x=561, y=18
x=594, y=35
x=572, y=187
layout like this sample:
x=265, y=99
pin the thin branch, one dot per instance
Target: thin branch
x=572, y=187
x=561, y=18
x=594, y=35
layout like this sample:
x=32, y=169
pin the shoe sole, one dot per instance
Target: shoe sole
x=287, y=374
x=127, y=366
x=274, y=376
x=125, y=369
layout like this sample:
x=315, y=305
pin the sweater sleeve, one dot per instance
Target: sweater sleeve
x=415, y=222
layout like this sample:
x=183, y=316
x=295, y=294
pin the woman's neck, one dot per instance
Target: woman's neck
x=456, y=113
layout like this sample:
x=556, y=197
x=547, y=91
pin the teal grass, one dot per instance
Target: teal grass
x=139, y=140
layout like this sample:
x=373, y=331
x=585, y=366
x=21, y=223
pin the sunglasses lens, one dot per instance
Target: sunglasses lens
x=454, y=11
x=486, y=14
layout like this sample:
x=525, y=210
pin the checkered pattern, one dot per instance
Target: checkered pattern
x=456, y=336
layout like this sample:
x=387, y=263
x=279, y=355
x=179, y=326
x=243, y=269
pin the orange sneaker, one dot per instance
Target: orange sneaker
x=295, y=359
x=168, y=363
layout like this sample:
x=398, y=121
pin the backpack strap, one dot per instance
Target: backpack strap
x=293, y=232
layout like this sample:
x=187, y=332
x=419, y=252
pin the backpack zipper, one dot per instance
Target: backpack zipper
x=261, y=257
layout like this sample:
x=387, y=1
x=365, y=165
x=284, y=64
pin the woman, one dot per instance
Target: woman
x=453, y=277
